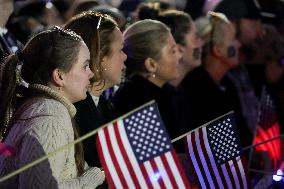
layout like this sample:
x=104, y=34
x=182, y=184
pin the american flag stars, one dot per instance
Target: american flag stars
x=223, y=141
x=215, y=153
x=146, y=135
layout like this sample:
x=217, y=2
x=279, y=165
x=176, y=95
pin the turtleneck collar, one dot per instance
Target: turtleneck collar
x=56, y=96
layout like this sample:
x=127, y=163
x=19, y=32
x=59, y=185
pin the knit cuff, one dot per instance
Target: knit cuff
x=92, y=178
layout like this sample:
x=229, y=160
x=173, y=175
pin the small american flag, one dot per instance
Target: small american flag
x=136, y=152
x=267, y=115
x=268, y=127
x=214, y=152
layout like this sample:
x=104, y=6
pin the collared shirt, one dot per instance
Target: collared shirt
x=3, y=31
x=95, y=99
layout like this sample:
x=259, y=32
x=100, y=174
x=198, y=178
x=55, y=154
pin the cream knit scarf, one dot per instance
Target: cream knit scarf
x=49, y=92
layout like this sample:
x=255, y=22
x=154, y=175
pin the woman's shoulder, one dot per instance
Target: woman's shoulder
x=41, y=118
x=41, y=107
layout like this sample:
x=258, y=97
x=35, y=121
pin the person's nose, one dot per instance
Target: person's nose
x=90, y=74
x=124, y=56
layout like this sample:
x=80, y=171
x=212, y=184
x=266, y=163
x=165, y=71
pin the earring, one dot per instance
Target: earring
x=153, y=75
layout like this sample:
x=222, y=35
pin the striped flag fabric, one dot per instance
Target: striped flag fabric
x=135, y=152
x=215, y=153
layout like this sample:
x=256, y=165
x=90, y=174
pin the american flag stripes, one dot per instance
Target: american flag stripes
x=214, y=152
x=136, y=152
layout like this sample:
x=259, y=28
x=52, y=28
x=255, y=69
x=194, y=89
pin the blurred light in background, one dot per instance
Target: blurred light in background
x=276, y=177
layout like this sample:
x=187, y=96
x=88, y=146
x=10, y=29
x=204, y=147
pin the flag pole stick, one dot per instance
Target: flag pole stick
x=263, y=142
x=255, y=128
x=183, y=135
x=244, y=149
x=252, y=149
x=264, y=172
x=2, y=179
x=18, y=171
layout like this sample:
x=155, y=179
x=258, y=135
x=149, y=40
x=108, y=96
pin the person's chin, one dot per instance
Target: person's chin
x=116, y=82
x=176, y=76
x=235, y=64
x=84, y=96
x=198, y=63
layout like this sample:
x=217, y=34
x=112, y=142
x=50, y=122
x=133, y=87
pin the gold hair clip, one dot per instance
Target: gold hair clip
x=100, y=15
x=96, y=14
x=99, y=23
x=65, y=32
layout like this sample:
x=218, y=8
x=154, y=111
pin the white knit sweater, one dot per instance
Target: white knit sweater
x=44, y=124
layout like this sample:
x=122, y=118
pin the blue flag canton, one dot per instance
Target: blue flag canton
x=147, y=134
x=223, y=139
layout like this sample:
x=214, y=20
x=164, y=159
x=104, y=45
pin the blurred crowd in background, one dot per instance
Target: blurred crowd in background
x=243, y=85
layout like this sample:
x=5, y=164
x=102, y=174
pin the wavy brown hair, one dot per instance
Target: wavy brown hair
x=96, y=30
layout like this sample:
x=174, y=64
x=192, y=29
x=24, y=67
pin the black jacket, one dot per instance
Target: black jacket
x=204, y=97
x=137, y=91
x=90, y=117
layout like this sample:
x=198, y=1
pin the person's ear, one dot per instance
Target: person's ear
x=151, y=65
x=104, y=63
x=217, y=50
x=58, y=77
